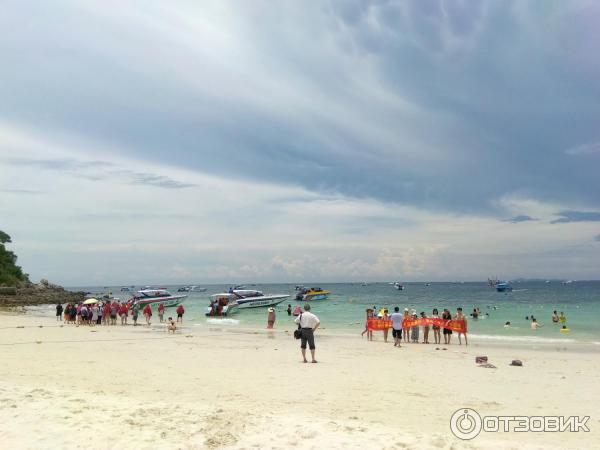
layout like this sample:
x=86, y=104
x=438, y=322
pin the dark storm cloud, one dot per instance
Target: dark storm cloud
x=446, y=105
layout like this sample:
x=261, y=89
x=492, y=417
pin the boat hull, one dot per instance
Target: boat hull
x=314, y=297
x=169, y=302
x=260, y=302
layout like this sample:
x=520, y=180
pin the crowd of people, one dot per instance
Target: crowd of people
x=108, y=312
x=401, y=332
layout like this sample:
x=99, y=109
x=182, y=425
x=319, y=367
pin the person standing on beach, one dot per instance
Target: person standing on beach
x=425, y=329
x=180, y=312
x=405, y=329
x=366, y=330
x=414, y=330
x=436, y=328
x=147, y=311
x=59, y=312
x=134, y=313
x=461, y=316
x=161, y=312
x=270, y=318
x=308, y=324
x=396, y=319
x=123, y=313
x=447, y=332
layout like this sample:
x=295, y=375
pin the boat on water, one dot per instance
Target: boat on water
x=313, y=293
x=227, y=303
x=399, y=286
x=503, y=286
x=191, y=289
x=155, y=296
x=222, y=305
x=125, y=289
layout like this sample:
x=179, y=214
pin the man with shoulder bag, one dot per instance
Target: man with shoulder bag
x=307, y=324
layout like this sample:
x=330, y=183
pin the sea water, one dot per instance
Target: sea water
x=344, y=310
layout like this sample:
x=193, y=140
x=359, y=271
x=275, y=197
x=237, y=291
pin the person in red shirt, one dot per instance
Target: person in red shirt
x=147, y=311
x=123, y=313
x=106, y=313
x=161, y=311
x=180, y=311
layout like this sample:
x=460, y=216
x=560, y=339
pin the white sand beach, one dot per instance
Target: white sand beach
x=220, y=387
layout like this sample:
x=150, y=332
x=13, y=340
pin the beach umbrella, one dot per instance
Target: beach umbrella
x=89, y=301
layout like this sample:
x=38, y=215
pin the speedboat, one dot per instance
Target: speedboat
x=241, y=299
x=153, y=296
x=125, y=289
x=313, y=293
x=250, y=298
x=503, y=286
x=399, y=286
x=222, y=305
x=191, y=289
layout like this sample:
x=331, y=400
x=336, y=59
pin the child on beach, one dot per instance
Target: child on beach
x=171, y=325
x=461, y=316
x=59, y=312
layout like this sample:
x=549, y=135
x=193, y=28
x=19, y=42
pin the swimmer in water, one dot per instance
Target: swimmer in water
x=507, y=325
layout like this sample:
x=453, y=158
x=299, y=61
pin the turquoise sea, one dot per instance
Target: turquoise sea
x=345, y=308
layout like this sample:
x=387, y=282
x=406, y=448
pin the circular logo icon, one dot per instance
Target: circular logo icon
x=465, y=423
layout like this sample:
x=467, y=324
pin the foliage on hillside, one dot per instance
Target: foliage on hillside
x=10, y=273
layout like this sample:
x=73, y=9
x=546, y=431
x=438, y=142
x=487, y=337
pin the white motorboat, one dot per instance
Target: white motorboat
x=241, y=299
x=155, y=296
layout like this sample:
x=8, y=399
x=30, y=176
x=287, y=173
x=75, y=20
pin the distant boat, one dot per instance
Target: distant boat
x=503, y=286
x=399, y=286
x=125, y=289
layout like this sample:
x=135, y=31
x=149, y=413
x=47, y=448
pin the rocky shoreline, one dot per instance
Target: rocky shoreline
x=42, y=293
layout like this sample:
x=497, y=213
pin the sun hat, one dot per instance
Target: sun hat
x=271, y=310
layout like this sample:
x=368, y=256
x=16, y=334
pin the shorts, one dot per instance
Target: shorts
x=447, y=331
x=307, y=336
x=397, y=333
x=179, y=316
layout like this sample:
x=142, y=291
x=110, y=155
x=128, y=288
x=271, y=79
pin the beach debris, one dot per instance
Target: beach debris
x=20, y=326
x=38, y=342
x=516, y=362
x=487, y=366
x=481, y=359
x=437, y=348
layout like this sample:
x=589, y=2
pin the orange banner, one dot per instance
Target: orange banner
x=460, y=326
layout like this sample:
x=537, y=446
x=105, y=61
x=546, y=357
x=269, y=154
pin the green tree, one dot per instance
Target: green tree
x=10, y=273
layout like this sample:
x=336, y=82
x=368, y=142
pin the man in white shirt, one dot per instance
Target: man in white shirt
x=308, y=324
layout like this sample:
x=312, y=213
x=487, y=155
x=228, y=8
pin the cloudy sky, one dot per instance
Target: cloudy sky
x=229, y=141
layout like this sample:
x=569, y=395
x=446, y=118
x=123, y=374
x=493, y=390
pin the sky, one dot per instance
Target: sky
x=258, y=141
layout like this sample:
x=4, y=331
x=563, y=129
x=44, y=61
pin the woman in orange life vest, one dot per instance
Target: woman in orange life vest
x=366, y=330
